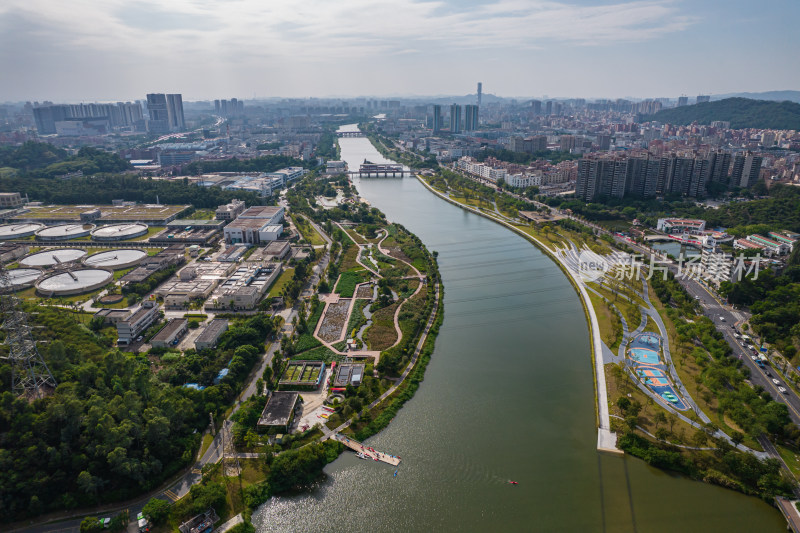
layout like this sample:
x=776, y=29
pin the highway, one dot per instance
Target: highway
x=724, y=316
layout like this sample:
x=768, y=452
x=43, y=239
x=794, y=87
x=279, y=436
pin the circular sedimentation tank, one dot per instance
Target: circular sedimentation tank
x=76, y=281
x=19, y=231
x=22, y=278
x=52, y=257
x=64, y=232
x=119, y=232
x=115, y=259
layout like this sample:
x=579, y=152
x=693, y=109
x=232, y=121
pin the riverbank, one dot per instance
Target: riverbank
x=606, y=439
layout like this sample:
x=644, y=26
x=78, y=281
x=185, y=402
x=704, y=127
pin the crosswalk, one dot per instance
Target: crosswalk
x=171, y=495
x=196, y=471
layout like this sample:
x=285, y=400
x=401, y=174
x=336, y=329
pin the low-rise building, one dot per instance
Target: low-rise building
x=279, y=411
x=246, y=230
x=10, y=251
x=246, y=286
x=136, y=324
x=335, y=167
x=10, y=200
x=681, y=225
x=170, y=334
x=771, y=246
x=229, y=211
x=112, y=317
x=210, y=335
x=273, y=214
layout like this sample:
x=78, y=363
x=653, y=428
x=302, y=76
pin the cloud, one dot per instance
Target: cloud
x=185, y=37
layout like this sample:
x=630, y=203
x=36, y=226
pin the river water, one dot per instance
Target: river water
x=508, y=395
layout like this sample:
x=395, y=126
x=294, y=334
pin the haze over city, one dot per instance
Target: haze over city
x=116, y=50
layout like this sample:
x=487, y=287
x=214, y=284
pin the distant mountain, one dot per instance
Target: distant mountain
x=740, y=112
x=777, y=96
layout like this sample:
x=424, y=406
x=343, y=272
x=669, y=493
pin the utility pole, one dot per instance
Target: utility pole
x=30, y=376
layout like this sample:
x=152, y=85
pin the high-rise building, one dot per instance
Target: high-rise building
x=470, y=117
x=548, y=107
x=567, y=142
x=536, y=107
x=601, y=177
x=746, y=168
x=165, y=113
x=683, y=100
x=480, y=92
x=119, y=115
x=455, y=118
x=437, y=118
x=719, y=165
x=604, y=141
x=702, y=98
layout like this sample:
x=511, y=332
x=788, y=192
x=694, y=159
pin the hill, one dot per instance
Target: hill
x=740, y=112
x=777, y=96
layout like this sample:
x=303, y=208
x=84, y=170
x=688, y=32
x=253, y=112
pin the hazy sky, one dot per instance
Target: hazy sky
x=82, y=50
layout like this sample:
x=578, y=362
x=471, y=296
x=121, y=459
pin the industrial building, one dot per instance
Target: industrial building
x=10, y=200
x=112, y=317
x=129, y=329
x=279, y=411
x=174, y=255
x=349, y=374
x=244, y=288
x=170, y=334
x=229, y=211
x=209, y=337
x=252, y=231
x=187, y=231
x=10, y=251
x=271, y=213
x=194, y=282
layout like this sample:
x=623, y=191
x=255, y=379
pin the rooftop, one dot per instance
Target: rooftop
x=213, y=330
x=169, y=330
x=260, y=211
x=278, y=410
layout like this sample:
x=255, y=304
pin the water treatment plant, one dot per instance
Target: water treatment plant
x=64, y=232
x=48, y=258
x=115, y=259
x=72, y=282
x=119, y=232
x=20, y=230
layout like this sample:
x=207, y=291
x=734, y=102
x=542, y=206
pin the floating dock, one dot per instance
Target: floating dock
x=366, y=450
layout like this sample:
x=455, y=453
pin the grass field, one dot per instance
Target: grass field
x=281, y=282
x=381, y=334
x=310, y=235
x=347, y=284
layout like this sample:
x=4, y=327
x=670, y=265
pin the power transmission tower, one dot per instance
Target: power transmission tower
x=30, y=376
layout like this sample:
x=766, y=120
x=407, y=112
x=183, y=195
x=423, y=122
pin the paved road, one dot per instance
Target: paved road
x=181, y=487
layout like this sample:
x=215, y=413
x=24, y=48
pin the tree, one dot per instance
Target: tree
x=91, y=524
x=156, y=510
x=662, y=434
x=659, y=418
x=737, y=437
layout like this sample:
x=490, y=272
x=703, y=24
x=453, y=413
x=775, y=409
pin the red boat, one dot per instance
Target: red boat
x=513, y=483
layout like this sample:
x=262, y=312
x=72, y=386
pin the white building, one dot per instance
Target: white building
x=138, y=322
x=681, y=225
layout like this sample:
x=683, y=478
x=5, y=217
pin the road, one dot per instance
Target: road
x=180, y=487
x=723, y=315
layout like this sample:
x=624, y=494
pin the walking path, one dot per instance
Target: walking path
x=372, y=453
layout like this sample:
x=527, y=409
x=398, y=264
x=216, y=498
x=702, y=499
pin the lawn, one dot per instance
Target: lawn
x=308, y=232
x=357, y=318
x=347, y=284
x=610, y=325
x=322, y=353
x=281, y=282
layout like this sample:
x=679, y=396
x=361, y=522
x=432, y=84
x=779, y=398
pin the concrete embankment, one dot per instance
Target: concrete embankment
x=606, y=439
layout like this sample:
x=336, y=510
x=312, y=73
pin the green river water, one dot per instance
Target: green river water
x=508, y=395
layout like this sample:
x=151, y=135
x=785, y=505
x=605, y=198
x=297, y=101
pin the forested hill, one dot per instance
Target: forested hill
x=740, y=112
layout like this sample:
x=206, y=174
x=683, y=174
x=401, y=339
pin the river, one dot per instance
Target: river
x=508, y=394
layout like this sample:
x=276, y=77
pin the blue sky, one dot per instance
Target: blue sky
x=121, y=49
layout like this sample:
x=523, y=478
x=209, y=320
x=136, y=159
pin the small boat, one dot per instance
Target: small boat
x=362, y=455
x=513, y=482
x=395, y=473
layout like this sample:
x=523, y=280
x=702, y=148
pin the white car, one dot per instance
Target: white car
x=753, y=357
x=775, y=381
x=722, y=319
x=783, y=391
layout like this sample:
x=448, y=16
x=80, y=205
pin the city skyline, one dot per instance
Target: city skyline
x=90, y=51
